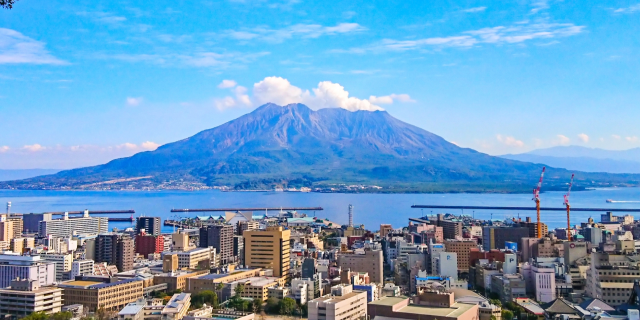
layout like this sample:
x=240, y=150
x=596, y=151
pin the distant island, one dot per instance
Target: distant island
x=329, y=150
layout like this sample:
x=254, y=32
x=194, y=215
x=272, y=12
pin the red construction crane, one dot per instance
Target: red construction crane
x=566, y=203
x=536, y=198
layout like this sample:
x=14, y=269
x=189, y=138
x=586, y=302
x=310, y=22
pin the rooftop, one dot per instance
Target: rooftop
x=94, y=284
x=336, y=299
x=456, y=309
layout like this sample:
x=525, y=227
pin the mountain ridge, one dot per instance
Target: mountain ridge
x=293, y=145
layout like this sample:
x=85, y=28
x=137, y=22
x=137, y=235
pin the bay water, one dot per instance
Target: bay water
x=369, y=209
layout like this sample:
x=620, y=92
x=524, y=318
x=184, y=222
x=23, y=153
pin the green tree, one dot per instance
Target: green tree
x=273, y=305
x=287, y=306
x=532, y=317
x=219, y=287
x=256, y=305
x=507, y=315
x=61, y=316
x=36, y=316
x=239, y=290
x=493, y=317
x=8, y=4
x=496, y=302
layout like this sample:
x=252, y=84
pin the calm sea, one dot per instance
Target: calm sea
x=369, y=209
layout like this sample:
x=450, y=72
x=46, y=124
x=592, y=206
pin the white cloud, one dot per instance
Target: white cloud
x=561, y=140
x=632, y=139
x=391, y=98
x=510, y=141
x=18, y=48
x=227, y=84
x=134, y=101
x=128, y=145
x=149, y=145
x=539, y=6
x=583, y=137
x=297, y=30
x=630, y=9
x=4, y=149
x=33, y=147
x=476, y=9
x=327, y=94
x=615, y=136
x=517, y=33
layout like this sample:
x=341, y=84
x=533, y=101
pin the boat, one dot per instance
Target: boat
x=609, y=201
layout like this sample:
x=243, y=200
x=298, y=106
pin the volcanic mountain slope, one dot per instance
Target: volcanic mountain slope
x=294, y=146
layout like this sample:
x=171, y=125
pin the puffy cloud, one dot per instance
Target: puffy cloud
x=128, y=145
x=33, y=147
x=149, y=145
x=4, y=149
x=562, y=140
x=583, y=137
x=632, y=139
x=133, y=101
x=18, y=48
x=277, y=90
x=615, y=136
x=510, y=141
x=327, y=94
x=227, y=84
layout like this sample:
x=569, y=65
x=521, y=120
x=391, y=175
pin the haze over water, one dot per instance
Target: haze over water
x=369, y=209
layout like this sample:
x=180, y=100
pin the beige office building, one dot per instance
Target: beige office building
x=342, y=303
x=610, y=277
x=25, y=297
x=189, y=259
x=370, y=262
x=268, y=249
x=101, y=293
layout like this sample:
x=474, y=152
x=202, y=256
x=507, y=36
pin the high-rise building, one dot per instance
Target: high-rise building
x=533, y=227
x=6, y=228
x=115, y=249
x=32, y=220
x=350, y=216
x=451, y=228
x=238, y=249
x=371, y=262
x=462, y=248
x=66, y=226
x=147, y=244
x=447, y=265
x=268, y=249
x=63, y=264
x=496, y=237
x=219, y=236
x=150, y=225
x=610, y=277
x=309, y=268
x=14, y=266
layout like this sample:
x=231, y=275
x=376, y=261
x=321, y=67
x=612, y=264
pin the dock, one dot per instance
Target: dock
x=130, y=219
x=250, y=209
x=524, y=208
x=94, y=212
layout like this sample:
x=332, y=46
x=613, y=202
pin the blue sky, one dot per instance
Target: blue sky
x=84, y=83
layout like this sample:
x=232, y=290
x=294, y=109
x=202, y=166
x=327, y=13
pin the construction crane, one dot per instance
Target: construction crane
x=566, y=203
x=536, y=198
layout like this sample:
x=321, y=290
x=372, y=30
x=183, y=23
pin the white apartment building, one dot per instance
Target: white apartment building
x=81, y=267
x=65, y=227
x=300, y=291
x=342, y=303
x=63, y=263
x=447, y=265
x=14, y=266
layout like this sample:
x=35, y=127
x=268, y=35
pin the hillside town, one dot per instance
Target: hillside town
x=248, y=265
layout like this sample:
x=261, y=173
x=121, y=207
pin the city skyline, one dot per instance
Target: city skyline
x=83, y=84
